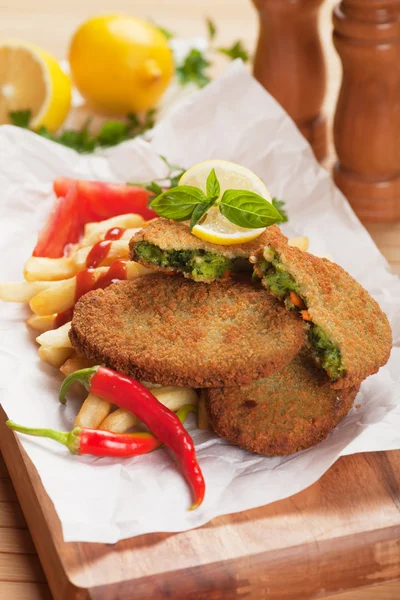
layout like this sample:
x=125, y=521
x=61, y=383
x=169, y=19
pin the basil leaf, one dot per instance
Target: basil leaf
x=199, y=212
x=212, y=185
x=178, y=203
x=248, y=209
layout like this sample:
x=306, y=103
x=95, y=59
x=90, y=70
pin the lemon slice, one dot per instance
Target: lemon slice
x=31, y=79
x=216, y=228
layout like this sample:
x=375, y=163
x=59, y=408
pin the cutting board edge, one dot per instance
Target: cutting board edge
x=233, y=576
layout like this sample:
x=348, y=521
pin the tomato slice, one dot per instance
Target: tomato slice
x=99, y=200
x=80, y=202
x=62, y=227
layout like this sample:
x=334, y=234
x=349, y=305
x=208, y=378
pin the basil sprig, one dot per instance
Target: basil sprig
x=242, y=207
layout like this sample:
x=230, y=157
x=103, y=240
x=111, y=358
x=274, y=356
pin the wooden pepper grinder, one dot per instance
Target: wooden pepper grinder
x=367, y=120
x=289, y=63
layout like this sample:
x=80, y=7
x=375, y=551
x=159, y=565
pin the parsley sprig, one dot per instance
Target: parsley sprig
x=241, y=207
x=279, y=205
x=193, y=68
x=170, y=180
x=110, y=133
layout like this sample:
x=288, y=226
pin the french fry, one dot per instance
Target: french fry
x=56, y=269
x=300, y=242
x=58, y=298
x=23, y=291
x=75, y=363
x=37, y=268
x=98, y=236
x=61, y=296
x=56, y=338
x=202, y=417
x=93, y=411
x=94, y=232
x=54, y=356
x=175, y=397
x=119, y=421
x=41, y=324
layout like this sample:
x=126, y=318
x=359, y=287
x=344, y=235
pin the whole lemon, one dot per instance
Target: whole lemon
x=120, y=64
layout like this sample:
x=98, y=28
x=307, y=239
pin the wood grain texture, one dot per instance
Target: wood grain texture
x=15, y=541
x=356, y=493
x=24, y=591
x=289, y=63
x=238, y=555
x=367, y=120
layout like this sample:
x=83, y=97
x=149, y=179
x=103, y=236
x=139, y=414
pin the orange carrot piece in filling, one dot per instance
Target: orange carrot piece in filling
x=296, y=300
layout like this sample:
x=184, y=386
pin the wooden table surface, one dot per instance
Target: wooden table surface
x=50, y=24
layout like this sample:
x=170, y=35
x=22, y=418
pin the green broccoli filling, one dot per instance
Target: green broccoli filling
x=280, y=283
x=326, y=351
x=202, y=265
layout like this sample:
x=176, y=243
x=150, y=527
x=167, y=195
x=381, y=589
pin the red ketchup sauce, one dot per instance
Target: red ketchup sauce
x=86, y=280
x=99, y=251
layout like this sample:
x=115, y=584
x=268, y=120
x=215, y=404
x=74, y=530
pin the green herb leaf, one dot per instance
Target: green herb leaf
x=112, y=133
x=20, y=118
x=248, y=209
x=212, y=186
x=192, y=70
x=279, y=204
x=212, y=30
x=168, y=34
x=237, y=50
x=201, y=209
x=149, y=120
x=154, y=188
x=178, y=203
x=175, y=172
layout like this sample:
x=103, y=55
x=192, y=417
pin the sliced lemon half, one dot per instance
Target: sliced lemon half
x=216, y=228
x=31, y=79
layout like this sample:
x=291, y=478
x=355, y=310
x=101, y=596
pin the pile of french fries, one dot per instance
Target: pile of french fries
x=49, y=288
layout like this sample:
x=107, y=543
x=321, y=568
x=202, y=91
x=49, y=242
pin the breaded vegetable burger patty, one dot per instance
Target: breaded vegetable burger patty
x=169, y=246
x=291, y=410
x=173, y=331
x=350, y=335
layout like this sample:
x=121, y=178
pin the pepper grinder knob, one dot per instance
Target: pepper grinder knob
x=290, y=64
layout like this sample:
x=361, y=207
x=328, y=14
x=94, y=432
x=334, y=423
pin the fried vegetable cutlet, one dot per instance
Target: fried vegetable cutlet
x=169, y=246
x=173, y=331
x=289, y=411
x=349, y=334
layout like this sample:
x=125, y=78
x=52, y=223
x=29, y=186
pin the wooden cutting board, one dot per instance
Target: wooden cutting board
x=341, y=533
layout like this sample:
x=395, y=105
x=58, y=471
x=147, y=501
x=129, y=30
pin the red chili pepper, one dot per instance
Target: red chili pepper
x=102, y=443
x=131, y=395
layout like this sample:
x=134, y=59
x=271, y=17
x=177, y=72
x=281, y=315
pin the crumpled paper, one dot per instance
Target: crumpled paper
x=235, y=119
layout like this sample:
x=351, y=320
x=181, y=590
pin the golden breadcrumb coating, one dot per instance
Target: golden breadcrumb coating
x=172, y=331
x=289, y=411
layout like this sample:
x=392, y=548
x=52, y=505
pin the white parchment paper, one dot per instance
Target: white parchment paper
x=104, y=500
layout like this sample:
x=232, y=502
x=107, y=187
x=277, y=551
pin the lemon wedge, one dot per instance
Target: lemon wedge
x=31, y=79
x=216, y=228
